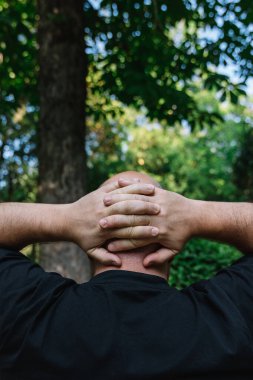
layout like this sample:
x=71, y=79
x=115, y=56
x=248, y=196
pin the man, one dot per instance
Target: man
x=126, y=323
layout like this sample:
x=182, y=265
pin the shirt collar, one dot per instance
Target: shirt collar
x=123, y=276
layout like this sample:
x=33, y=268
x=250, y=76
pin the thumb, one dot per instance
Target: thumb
x=103, y=256
x=161, y=256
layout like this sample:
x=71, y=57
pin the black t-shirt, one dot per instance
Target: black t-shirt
x=123, y=325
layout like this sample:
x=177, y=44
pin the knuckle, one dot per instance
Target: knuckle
x=130, y=232
x=134, y=243
x=100, y=213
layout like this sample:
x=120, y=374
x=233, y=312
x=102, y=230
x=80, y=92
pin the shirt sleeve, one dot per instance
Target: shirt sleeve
x=234, y=286
x=26, y=290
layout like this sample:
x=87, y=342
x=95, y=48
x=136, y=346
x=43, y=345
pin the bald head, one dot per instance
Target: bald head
x=133, y=260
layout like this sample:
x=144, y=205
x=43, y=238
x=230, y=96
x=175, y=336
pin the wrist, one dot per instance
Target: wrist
x=198, y=218
x=210, y=219
x=22, y=224
x=53, y=222
x=66, y=222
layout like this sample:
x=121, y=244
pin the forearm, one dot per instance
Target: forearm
x=230, y=223
x=23, y=223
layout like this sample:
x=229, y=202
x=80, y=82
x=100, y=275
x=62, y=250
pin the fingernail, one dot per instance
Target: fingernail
x=154, y=231
x=103, y=222
x=150, y=187
x=107, y=199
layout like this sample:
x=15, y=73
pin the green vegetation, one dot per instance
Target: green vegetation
x=157, y=100
x=200, y=260
x=202, y=164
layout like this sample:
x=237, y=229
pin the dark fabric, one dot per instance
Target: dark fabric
x=123, y=325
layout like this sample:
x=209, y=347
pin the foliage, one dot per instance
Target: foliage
x=18, y=100
x=243, y=167
x=200, y=260
x=18, y=65
x=198, y=165
x=144, y=53
x=18, y=159
x=149, y=52
x=107, y=128
x=165, y=62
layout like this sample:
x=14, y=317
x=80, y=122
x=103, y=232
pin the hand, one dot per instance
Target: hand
x=149, y=250
x=83, y=217
x=175, y=223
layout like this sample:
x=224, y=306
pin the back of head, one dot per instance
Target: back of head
x=133, y=260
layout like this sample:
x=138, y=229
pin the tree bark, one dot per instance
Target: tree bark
x=63, y=69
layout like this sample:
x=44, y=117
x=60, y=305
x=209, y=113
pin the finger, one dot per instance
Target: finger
x=119, y=221
x=133, y=208
x=138, y=232
x=126, y=181
x=115, y=198
x=110, y=186
x=105, y=257
x=159, y=257
x=120, y=183
x=136, y=188
x=127, y=244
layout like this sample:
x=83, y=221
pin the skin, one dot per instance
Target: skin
x=136, y=255
x=175, y=221
x=22, y=224
x=179, y=220
x=130, y=212
x=133, y=261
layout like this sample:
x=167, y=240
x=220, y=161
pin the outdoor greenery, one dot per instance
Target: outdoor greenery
x=200, y=165
x=159, y=99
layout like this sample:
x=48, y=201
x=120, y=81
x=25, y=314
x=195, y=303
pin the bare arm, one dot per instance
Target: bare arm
x=181, y=219
x=22, y=223
x=230, y=223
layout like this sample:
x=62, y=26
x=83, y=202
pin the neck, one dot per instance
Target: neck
x=134, y=262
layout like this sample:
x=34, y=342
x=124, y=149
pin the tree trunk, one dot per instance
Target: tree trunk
x=63, y=69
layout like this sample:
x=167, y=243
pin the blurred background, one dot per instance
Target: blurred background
x=91, y=88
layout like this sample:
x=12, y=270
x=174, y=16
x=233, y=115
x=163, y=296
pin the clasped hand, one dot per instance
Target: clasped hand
x=125, y=215
x=85, y=214
x=174, y=221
